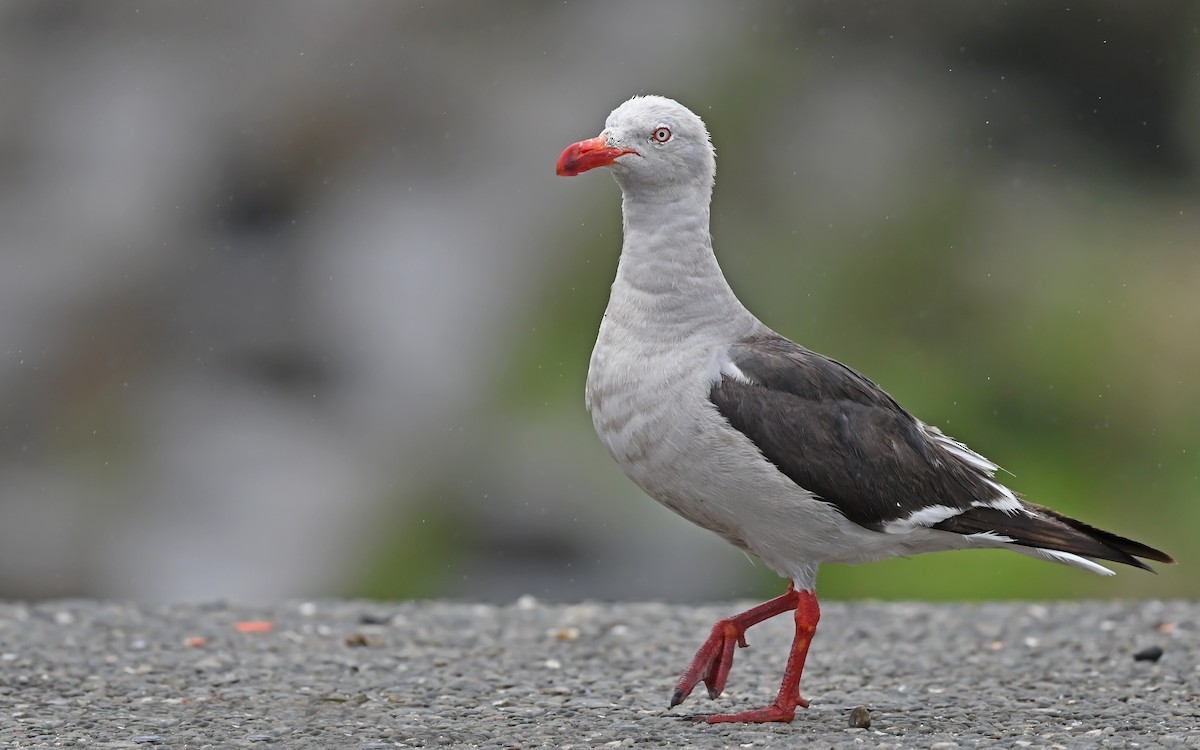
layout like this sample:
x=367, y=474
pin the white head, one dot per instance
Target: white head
x=655, y=147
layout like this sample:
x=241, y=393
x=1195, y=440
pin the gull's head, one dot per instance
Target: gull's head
x=652, y=145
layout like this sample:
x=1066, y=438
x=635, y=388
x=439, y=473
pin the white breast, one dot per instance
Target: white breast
x=650, y=407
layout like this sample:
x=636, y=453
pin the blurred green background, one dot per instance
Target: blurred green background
x=292, y=303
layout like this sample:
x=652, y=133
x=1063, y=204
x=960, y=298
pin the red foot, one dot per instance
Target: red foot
x=715, y=658
x=774, y=712
x=712, y=662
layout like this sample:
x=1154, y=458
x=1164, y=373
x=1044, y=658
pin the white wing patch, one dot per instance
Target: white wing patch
x=931, y=515
x=1007, y=501
x=1053, y=555
x=989, y=536
x=1068, y=559
x=927, y=516
x=721, y=365
x=959, y=450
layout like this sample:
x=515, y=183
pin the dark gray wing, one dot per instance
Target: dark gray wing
x=838, y=435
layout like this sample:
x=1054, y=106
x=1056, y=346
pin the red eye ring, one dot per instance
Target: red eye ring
x=662, y=134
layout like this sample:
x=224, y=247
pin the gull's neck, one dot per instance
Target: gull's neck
x=668, y=276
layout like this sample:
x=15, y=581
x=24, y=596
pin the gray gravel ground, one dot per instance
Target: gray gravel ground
x=337, y=674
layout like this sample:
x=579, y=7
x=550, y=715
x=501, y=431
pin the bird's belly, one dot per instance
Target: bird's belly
x=660, y=426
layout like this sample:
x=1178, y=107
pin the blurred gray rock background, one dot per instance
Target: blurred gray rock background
x=292, y=303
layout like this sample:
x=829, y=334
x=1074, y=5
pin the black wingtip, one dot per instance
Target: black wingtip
x=1127, y=549
x=1047, y=529
x=1165, y=559
x=1152, y=554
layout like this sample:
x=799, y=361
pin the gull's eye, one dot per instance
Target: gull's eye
x=662, y=135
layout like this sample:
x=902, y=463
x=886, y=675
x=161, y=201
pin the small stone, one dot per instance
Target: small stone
x=860, y=718
x=355, y=640
x=527, y=602
x=1150, y=653
x=254, y=626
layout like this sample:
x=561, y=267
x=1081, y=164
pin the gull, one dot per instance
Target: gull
x=783, y=452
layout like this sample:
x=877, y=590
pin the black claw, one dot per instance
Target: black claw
x=714, y=693
x=676, y=698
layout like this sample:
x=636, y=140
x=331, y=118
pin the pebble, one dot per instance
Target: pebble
x=1150, y=653
x=537, y=674
x=860, y=718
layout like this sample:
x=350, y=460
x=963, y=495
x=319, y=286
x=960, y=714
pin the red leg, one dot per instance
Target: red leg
x=784, y=707
x=715, y=658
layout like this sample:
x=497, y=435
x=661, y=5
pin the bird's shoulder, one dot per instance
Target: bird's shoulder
x=772, y=362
